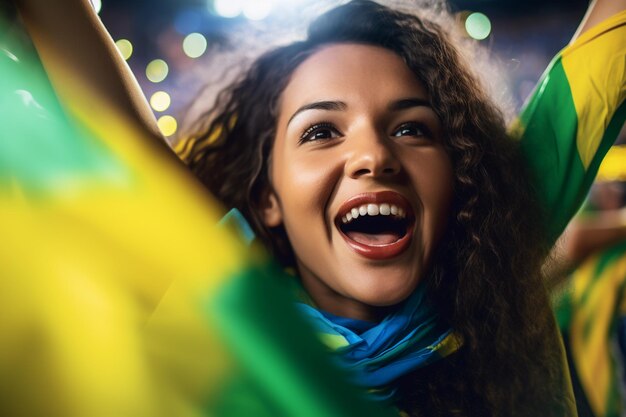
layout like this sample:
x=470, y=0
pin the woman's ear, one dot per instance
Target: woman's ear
x=270, y=209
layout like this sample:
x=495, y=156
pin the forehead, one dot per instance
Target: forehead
x=352, y=72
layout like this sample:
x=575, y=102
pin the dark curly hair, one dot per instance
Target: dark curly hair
x=486, y=277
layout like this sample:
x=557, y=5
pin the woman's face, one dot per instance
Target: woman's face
x=360, y=178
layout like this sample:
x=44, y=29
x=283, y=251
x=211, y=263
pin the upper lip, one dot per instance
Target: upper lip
x=379, y=197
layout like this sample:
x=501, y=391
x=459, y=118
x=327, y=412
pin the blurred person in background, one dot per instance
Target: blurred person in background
x=590, y=303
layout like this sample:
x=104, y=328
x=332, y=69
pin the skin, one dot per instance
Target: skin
x=369, y=147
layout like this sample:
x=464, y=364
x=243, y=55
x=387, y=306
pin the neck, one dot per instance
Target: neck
x=331, y=301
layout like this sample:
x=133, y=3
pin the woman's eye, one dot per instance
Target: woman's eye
x=412, y=129
x=320, y=131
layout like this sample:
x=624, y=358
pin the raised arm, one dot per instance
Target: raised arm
x=598, y=11
x=72, y=42
x=587, y=236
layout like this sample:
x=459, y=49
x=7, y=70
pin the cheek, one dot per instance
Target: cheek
x=433, y=177
x=303, y=178
x=304, y=183
x=440, y=184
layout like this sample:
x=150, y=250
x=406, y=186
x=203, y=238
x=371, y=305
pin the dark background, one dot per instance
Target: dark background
x=525, y=36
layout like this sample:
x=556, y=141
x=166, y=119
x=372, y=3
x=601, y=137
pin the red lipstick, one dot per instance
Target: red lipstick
x=390, y=199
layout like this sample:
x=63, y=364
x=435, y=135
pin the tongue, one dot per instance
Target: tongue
x=374, y=239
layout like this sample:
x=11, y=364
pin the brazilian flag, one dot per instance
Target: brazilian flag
x=573, y=117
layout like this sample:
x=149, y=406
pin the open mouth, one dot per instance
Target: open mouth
x=376, y=225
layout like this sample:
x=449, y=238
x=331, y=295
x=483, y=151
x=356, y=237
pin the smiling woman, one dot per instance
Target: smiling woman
x=368, y=148
x=375, y=165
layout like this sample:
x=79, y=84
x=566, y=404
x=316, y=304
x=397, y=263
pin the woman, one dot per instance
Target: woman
x=376, y=110
x=314, y=142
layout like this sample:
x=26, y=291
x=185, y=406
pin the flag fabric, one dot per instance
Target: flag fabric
x=378, y=354
x=613, y=167
x=573, y=117
x=119, y=294
x=590, y=311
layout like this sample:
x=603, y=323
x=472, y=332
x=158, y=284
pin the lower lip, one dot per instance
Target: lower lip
x=381, y=252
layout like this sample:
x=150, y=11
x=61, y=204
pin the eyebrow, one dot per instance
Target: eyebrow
x=320, y=105
x=407, y=103
x=327, y=105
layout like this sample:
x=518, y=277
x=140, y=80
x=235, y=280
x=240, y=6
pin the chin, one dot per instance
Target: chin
x=384, y=295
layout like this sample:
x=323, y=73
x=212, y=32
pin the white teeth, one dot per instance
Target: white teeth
x=384, y=209
x=372, y=210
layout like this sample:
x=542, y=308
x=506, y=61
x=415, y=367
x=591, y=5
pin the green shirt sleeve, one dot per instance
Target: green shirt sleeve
x=573, y=117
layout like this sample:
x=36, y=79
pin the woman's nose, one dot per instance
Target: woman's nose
x=371, y=156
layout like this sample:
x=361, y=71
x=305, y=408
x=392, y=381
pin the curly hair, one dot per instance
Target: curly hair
x=485, y=277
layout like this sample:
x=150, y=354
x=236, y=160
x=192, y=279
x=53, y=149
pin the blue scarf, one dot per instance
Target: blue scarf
x=377, y=354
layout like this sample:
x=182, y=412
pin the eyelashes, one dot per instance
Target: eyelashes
x=319, y=131
x=415, y=129
x=324, y=131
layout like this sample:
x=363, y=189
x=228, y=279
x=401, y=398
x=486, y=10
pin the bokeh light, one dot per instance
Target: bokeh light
x=194, y=45
x=478, y=26
x=157, y=70
x=229, y=8
x=167, y=124
x=257, y=9
x=97, y=5
x=125, y=48
x=160, y=101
